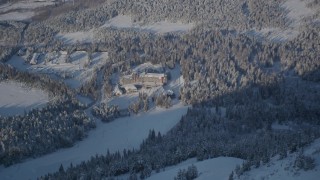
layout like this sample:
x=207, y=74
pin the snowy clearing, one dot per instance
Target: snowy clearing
x=17, y=16
x=176, y=81
x=297, y=11
x=28, y=4
x=123, y=101
x=81, y=37
x=146, y=66
x=127, y=132
x=85, y=100
x=22, y=10
x=120, y=21
x=216, y=168
x=274, y=34
x=165, y=27
x=16, y=98
x=123, y=21
x=284, y=170
x=277, y=126
x=75, y=71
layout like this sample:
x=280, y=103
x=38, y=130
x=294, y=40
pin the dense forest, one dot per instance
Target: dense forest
x=259, y=83
x=201, y=133
x=239, y=85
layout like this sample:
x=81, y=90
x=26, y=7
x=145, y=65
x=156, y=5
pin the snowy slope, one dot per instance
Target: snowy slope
x=27, y=4
x=74, y=37
x=165, y=27
x=74, y=73
x=216, y=168
x=22, y=10
x=124, y=21
x=123, y=133
x=297, y=11
x=16, y=98
x=120, y=21
x=17, y=16
x=284, y=170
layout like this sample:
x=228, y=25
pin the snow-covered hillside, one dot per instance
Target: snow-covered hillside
x=216, y=168
x=74, y=71
x=22, y=10
x=124, y=21
x=284, y=169
x=17, y=98
x=123, y=133
x=297, y=10
x=220, y=168
x=74, y=37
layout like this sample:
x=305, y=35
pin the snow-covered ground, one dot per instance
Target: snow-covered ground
x=17, y=16
x=165, y=27
x=27, y=4
x=124, y=21
x=216, y=168
x=274, y=34
x=74, y=72
x=127, y=132
x=17, y=98
x=22, y=10
x=280, y=127
x=123, y=101
x=81, y=37
x=297, y=11
x=85, y=100
x=120, y=21
x=148, y=65
x=284, y=170
x=176, y=81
